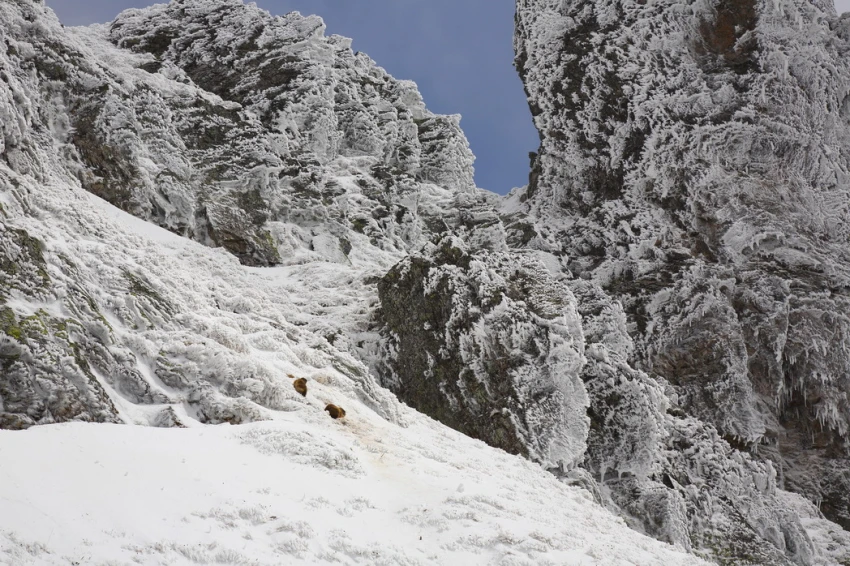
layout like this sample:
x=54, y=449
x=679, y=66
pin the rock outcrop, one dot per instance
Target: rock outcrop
x=690, y=190
x=98, y=324
x=693, y=164
x=659, y=316
x=244, y=131
x=489, y=344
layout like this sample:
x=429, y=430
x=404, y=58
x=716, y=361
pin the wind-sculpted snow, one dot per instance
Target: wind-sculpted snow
x=143, y=329
x=694, y=163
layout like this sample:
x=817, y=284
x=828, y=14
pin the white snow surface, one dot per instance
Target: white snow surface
x=301, y=489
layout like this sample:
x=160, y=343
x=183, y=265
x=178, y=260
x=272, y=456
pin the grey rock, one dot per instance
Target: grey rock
x=692, y=164
x=490, y=345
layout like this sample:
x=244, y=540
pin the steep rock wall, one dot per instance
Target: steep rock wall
x=489, y=344
x=236, y=130
x=694, y=163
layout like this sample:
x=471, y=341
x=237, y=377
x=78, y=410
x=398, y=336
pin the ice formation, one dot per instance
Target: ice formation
x=659, y=317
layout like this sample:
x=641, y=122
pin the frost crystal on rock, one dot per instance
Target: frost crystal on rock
x=489, y=344
x=693, y=165
x=660, y=316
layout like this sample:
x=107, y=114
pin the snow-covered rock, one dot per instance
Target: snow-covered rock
x=105, y=317
x=693, y=164
x=96, y=318
x=489, y=344
x=658, y=317
x=222, y=123
x=670, y=474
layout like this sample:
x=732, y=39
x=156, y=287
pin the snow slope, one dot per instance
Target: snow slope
x=303, y=489
x=299, y=488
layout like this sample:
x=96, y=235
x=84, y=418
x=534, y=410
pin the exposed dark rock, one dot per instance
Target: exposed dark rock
x=489, y=345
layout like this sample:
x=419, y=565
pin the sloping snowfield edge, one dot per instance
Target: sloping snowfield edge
x=299, y=490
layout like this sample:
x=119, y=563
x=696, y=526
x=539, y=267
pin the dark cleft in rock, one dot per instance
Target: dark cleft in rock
x=729, y=34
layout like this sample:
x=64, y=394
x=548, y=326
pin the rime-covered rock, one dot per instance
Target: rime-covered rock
x=693, y=164
x=107, y=318
x=658, y=316
x=240, y=130
x=670, y=474
x=297, y=111
x=489, y=344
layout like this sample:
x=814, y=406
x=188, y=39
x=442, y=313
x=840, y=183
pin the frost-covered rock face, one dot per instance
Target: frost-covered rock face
x=245, y=131
x=670, y=474
x=317, y=99
x=489, y=344
x=657, y=316
x=694, y=163
x=306, y=133
x=104, y=317
x=248, y=132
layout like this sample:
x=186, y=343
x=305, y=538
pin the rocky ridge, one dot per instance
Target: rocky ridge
x=89, y=324
x=639, y=319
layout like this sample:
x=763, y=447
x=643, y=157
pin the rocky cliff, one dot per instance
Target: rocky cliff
x=659, y=316
x=693, y=164
x=278, y=170
x=690, y=191
x=489, y=344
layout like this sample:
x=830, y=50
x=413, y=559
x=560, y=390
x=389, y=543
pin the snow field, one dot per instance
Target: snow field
x=302, y=489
